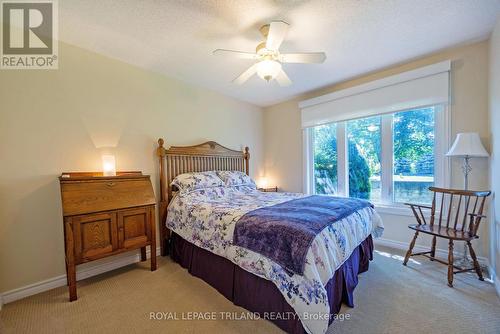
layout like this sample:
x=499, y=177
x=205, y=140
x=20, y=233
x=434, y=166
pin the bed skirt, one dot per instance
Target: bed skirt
x=257, y=294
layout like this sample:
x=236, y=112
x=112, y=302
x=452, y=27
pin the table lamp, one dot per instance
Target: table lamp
x=108, y=165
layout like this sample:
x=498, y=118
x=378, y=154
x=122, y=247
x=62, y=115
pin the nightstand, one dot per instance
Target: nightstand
x=269, y=189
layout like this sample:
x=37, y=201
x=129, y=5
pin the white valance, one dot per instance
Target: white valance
x=425, y=86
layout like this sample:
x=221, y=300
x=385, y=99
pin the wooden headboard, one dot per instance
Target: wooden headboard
x=198, y=158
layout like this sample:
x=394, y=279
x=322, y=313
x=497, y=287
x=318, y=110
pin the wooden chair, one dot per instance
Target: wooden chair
x=451, y=212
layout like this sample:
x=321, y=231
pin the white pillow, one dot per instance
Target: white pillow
x=197, y=180
x=236, y=178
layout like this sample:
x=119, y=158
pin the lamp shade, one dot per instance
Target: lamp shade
x=108, y=165
x=262, y=182
x=467, y=144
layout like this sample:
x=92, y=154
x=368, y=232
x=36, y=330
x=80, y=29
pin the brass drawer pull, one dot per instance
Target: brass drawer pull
x=110, y=184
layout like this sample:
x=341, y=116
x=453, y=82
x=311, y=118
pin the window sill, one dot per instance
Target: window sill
x=395, y=209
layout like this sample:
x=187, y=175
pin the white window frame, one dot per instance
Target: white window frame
x=442, y=175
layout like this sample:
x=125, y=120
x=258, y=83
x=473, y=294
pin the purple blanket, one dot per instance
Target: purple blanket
x=284, y=232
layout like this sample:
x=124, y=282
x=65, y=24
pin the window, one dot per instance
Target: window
x=325, y=159
x=387, y=159
x=363, y=140
x=413, y=155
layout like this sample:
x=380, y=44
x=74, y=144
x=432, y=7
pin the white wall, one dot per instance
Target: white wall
x=469, y=110
x=495, y=143
x=56, y=121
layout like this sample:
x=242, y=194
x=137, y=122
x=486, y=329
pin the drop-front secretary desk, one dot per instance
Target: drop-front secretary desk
x=104, y=216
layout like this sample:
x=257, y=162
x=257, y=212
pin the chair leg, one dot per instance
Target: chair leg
x=433, y=248
x=476, y=263
x=412, y=244
x=450, y=263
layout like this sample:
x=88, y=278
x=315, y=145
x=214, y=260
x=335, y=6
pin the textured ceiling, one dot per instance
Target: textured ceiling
x=177, y=38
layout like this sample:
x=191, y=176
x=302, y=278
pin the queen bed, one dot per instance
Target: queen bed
x=290, y=258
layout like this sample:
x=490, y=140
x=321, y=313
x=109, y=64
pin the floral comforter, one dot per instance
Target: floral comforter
x=207, y=217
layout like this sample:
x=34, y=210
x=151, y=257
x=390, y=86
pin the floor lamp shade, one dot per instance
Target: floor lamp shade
x=467, y=144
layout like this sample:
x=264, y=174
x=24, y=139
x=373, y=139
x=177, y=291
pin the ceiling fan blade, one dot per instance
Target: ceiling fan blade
x=246, y=75
x=305, y=58
x=283, y=79
x=276, y=35
x=233, y=53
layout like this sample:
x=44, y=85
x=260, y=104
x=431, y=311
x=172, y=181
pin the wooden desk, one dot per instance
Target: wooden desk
x=104, y=216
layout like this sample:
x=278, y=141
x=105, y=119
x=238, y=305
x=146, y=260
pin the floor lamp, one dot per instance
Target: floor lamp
x=467, y=145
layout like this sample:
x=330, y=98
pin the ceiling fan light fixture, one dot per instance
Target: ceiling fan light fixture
x=268, y=69
x=269, y=58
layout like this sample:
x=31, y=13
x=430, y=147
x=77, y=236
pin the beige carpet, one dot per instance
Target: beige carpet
x=389, y=299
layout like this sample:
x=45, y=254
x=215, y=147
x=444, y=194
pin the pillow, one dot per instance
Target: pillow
x=198, y=180
x=236, y=178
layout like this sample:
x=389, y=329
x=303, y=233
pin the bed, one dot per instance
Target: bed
x=221, y=233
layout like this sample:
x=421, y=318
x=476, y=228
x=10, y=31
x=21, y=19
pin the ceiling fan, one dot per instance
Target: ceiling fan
x=268, y=57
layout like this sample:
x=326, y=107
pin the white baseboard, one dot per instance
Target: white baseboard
x=496, y=281
x=58, y=281
x=418, y=248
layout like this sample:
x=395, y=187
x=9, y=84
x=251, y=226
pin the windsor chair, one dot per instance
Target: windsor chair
x=454, y=215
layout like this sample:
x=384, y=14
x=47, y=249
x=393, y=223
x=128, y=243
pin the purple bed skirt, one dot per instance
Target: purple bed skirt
x=259, y=295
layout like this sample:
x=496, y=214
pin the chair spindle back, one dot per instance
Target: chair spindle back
x=458, y=208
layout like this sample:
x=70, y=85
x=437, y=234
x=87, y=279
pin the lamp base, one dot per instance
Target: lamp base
x=466, y=262
x=466, y=169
